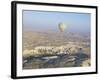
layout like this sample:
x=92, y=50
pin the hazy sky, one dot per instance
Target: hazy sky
x=75, y=22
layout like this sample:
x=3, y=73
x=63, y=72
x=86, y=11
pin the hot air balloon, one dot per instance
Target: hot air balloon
x=62, y=26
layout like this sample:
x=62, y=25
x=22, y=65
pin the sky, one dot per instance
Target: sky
x=47, y=20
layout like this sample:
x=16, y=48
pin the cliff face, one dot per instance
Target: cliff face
x=43, y=50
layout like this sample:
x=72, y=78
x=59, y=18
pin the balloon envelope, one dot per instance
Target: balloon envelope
x=62, y=26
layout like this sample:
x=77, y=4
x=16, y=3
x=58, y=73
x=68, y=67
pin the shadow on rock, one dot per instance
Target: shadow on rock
x=62, y=60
